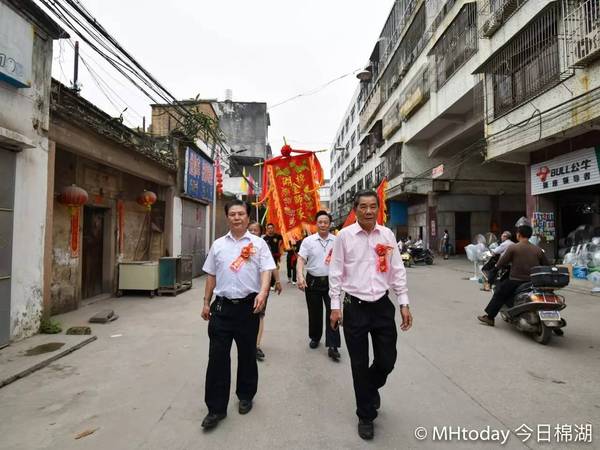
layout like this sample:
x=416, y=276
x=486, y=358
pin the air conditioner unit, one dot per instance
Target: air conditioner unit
x=440, y=186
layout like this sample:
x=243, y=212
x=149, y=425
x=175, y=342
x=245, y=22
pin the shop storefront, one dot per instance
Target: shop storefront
x=564, y=205
x=198, y=188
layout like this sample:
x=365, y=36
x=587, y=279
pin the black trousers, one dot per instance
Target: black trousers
x=315, y=298
x=291, y=268
x=377, y=319
x=231, y=322
x=502, y=295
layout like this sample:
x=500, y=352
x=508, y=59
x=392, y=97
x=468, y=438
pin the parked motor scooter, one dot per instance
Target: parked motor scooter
x=419, y=253
x=536, y=307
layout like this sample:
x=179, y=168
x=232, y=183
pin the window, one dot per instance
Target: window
x=369, y=180
x=457, y=44
x=379, y=173
x=394, y=161
x=527, y=66
x=359, y=185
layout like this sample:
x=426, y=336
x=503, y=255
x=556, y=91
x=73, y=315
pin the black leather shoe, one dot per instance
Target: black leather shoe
x=333, y=353
x=377, y=402
x=212, y=420
x=245, y=406
x=365, y=429
x=313, y=344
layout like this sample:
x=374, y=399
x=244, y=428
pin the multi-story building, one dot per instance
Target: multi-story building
x=421, y=124
x=541, y=75
x=26, y=39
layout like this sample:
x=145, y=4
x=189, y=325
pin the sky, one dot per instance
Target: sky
x=263, y=50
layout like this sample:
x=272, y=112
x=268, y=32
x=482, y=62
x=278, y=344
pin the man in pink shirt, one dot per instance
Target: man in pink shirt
x=366, y=264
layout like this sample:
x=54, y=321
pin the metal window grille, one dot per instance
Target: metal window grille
x=457, y=44
x=394, y=161
x=495, y=12
x=369, y=180
x=582, y=31
x=527, y=66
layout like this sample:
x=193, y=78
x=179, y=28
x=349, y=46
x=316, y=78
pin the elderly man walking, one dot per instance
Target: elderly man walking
x=239, y=267
x=366, y=264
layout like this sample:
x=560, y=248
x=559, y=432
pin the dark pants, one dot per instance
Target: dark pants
x=229, y=322
x=317, y=295
x=502, y=295
x=291, y=266
x=361, y=319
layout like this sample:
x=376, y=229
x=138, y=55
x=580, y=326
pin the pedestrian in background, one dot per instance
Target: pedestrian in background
x=275, y=242
x=366, y=263
x=315, y=254
x=238, y=268
x=446, y=244
x=256, y=229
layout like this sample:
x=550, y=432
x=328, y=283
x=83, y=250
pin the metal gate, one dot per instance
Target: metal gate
x=193, y=234
x=7, y=198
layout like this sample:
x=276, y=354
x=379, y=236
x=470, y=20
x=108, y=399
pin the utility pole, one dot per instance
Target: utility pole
x=76, y=67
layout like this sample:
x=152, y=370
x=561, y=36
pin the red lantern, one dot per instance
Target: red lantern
x=286, y=151
x=74, y=197
x=147, y=199
x=219, y=178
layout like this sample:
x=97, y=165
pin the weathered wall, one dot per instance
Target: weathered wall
x=244, y=125
x=105, y=186
x=26, y=111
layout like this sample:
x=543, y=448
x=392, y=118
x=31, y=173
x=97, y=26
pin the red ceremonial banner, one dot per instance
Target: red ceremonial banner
x=291, y=189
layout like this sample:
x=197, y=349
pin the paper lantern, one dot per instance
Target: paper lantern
x=74, y=197
x=147, y=199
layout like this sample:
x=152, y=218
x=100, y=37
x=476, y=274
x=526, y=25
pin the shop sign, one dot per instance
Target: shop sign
x=568, y=171
x=16, y=48
x=437, y=171
x=199, y=176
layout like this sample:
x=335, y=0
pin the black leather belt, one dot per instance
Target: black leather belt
x=352, y=299
x=236, y=301
x=317, y=278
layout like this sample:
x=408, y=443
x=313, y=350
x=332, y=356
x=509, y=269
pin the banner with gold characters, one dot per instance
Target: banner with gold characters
x=291, y=192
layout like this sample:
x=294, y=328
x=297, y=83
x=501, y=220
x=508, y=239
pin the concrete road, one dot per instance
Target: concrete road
x=140, y=385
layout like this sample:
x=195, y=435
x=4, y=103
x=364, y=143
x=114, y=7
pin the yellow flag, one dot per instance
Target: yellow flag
x=244, y=183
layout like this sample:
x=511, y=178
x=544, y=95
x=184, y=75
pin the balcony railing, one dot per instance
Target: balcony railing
x=371, y=107
x=582, y=31
x=527, y=66
x=457, y=45
x=495, y=12
x=416, y=94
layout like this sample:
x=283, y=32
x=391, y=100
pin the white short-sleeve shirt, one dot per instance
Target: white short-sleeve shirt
x=314, y=250
x=245, y=281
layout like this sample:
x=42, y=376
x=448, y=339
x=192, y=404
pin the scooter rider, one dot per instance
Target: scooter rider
x=522, y=257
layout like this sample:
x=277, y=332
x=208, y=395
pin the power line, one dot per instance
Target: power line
x=120, y=59
x=314, y=90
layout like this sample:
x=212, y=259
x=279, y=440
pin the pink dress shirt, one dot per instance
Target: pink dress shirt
x=353, y=267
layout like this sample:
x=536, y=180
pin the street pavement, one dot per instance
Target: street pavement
x=141, y=384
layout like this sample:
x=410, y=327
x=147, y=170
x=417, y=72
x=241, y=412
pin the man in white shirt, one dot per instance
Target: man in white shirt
x=505, y=243
x=315, y=254
x=239, y=268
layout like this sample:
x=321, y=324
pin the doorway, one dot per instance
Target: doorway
x=7, y=198
x=92, y=251
x=462, y=222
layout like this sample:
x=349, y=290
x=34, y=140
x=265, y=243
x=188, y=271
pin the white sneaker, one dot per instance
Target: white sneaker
x=294, y=283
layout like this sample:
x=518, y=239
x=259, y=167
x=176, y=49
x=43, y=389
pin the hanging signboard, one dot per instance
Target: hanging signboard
x=437, y=171
x=198, y=177
x=16, y=48
x=568, y=171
